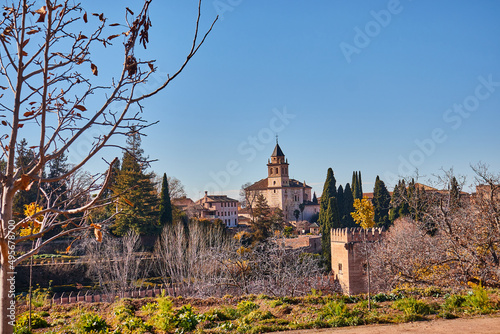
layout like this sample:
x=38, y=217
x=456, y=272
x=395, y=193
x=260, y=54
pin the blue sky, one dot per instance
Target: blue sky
x=384, y=107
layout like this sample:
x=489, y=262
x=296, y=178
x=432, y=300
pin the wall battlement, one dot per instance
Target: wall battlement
x=356, y=234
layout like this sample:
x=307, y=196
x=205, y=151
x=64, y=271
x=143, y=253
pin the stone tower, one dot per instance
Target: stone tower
x=348, y=259
x=277, y=169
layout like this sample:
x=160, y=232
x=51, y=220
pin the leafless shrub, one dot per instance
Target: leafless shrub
x=464, y=243
x=116, y=264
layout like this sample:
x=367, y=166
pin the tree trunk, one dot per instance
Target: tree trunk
x=7, y=289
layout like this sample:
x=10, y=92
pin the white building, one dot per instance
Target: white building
x=219, y=207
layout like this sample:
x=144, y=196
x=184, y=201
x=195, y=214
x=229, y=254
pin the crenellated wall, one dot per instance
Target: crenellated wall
x=348, y=258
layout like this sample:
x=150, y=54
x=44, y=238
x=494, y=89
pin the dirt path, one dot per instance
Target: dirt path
x=483, y=325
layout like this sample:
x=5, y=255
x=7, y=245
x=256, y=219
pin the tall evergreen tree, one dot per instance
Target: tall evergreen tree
x=138, y=204
x=340, y=203
x=261, y=225
x=329, y=190
x=57, y=167
x=315, y=199
x=332, y=220
x=325, y=216
x=399, y=202
x=454, y=193
x=25, y=157
x=357, y=187
x=165, y=204
x=347, y=220
x=381, y=203
x=360, y=186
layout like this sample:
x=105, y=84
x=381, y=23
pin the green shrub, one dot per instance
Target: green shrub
x=453, y=303
x=478, y=301
x=36, y=321
x=246, y=306
x=334, y=309
x=222, y=314
x=163, y=318
x=123, y=310
x=91, y=323
x=275, y=303
x=185, y=319
x=413, y=309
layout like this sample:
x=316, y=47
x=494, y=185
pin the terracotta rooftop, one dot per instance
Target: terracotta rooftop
x=263, y=185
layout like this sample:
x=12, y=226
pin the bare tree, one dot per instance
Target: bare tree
x=175, y=187
x=187, y=257
x=116, y=264
x=462, y=245
x=43, y=60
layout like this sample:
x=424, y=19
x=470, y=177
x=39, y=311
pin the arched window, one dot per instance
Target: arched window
x=277, y=170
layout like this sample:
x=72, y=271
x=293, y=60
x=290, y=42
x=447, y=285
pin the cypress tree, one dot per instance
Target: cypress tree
x=341, y=204
x=332, y=220
x=165, y=204
x=454, y=193
x=315, y=199
x=329, y=190
x=360, y=186
x=347, y=220
x=354, y=183
x=381, y=203
x=325, y=216
x=357, y=188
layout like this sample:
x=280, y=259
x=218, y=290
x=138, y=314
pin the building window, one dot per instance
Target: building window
x=277, y=170
x=340, y=268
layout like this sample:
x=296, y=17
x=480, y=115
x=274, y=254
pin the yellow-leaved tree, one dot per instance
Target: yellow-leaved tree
x=363, y=215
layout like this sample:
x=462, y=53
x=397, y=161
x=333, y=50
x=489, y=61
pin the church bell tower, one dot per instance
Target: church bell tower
x=277, y=169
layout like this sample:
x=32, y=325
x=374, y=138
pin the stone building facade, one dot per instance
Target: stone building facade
x=280, y=190
x=348, y=257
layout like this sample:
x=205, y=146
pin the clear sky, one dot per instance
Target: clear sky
x=383, y=87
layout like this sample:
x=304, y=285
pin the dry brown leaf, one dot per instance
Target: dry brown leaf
x=20, y=126
x=97, y=232
x=33, y=31
x=128, y=202
x=24, y=53
x=85, y=17
x=80, y=36
x=151, y=67
x=4, y=123
x=28, y=113
x=2, y=87
x=25, y=42
x=25, y=182
x=130, y=11
x=94, y=70
x=114, y=24
x=80, y=107
x=42, y=10
x=113, y=36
